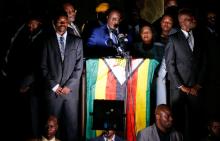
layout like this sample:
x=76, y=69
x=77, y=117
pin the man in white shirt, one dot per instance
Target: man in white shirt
x=50, y=130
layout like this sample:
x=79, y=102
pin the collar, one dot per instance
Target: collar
x=45, y=139
x=110, y=29
x=160, y=133
x=112, y=139
x=186, y=34
x=64, y=35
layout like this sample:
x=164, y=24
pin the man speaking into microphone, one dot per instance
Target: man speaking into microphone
x=105, y=40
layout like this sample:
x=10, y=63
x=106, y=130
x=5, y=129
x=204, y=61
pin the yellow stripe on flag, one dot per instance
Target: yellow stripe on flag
x=141, y=97
x=101, y=80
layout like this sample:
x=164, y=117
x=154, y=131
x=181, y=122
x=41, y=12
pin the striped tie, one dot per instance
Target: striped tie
x=189, y=40
x=62, y=47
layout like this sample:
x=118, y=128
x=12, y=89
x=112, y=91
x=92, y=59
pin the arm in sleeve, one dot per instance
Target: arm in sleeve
x=170, y=59
x=77, y=72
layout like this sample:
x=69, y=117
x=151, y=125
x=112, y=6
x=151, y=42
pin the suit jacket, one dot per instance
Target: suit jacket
x=150, y=134
x=65, y=73
x=184, y=66
x=99, y=37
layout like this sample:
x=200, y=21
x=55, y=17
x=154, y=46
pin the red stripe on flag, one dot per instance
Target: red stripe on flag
x=111, y=87
x=131, y=106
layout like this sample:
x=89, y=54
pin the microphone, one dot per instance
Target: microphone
x=119, y=47
x=122, y=38
x=110, y=43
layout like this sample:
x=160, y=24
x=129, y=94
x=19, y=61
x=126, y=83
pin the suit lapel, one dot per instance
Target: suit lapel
x=185, y=43
x=106, y=32
x=68, y=43
x=55, y=44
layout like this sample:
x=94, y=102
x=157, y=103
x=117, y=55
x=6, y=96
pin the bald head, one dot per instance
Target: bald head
x=164, y=119
x=161, y=108
x=53, y=119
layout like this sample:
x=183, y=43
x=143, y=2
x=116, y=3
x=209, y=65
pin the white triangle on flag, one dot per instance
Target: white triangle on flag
x=118, y=67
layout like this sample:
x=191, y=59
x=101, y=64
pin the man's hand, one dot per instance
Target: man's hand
x=65, y=90
x=24, y=89
x=194, y=90
x=59, y=91
x=185, y=89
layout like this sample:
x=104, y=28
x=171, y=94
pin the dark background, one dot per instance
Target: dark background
x=86, y=8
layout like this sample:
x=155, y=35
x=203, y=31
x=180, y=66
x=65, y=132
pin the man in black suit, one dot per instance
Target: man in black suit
x=186, y=67
x=61, y=66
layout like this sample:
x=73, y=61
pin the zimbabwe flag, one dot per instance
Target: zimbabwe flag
x=120, y=79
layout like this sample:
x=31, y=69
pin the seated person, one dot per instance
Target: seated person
x=163, y=129
x=108, y=135
x=214, y=131
x=49, y=131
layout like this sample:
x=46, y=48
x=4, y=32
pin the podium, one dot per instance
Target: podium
x=120, y=79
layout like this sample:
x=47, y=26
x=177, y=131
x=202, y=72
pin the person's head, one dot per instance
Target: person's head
x=71, y=11
x=211, y=18
x=61, y=22
x=135, y=17
x=185, y=18
x=214, y=127
x=51, y=127
x=164, y=118
x=34, y=24
x=114, y=18
x=170, y=3
x=194, y=22
x=146, y=33
x=166, y=24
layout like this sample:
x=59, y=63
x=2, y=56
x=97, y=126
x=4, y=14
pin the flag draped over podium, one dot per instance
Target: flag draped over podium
x=121, y=79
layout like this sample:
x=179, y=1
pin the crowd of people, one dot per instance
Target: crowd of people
x=43, y=61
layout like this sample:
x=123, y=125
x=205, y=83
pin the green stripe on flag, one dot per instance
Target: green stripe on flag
x=92, y=72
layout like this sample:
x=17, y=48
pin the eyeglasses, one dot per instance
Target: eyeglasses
x=74, y=11
x=212, y=17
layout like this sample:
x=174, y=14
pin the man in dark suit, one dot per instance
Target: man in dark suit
x=61, y=66
x=186, y=67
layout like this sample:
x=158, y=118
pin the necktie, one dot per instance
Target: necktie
x=62, y=47
x=190, y=40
